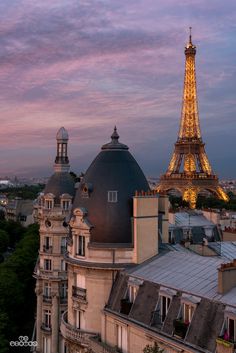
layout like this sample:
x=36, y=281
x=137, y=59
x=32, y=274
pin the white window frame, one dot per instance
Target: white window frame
x=132, y=293
x=167, y=303
x=47, y=289
x=47, y=318
x=63, y=265
x=121, y=338
x=112, y=196
x=79, y=319
x=80, y=245
x=49, y=261
x=65, y=204
x=188, y=311
x=49, y=204
x=46, y=344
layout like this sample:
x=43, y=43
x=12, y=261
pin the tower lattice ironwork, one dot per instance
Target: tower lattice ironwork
x=189, y=170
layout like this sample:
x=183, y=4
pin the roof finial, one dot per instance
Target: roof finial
x=190, y=35
x=115, y=136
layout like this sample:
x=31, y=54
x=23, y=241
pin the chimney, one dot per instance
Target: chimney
x=226, y=277
x=145, y=225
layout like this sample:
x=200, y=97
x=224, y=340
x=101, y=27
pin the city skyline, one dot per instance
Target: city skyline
x=89, y=66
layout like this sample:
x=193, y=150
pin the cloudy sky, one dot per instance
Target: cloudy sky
x=88, y=65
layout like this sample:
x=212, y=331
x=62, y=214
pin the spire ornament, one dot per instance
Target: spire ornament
x=189, y=170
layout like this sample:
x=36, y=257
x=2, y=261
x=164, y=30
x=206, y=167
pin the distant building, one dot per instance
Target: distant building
x=20, y=210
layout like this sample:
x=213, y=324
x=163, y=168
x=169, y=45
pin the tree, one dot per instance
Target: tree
x=153, y=349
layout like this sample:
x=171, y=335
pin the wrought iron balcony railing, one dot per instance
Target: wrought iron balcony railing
x=47, y=249
x=47, y=298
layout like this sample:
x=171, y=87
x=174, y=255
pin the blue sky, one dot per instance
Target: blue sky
x=89, y=65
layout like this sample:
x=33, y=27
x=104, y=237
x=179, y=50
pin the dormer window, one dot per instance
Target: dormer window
x=65, y=204
x=80, y=245
x=165, y=304
x=132, y=293
x=49, y=204
x=188, y=311
x=112, y=196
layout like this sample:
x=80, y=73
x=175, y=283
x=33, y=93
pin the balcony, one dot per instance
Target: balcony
x=125, y=306
x=47, y=249
x=180, y=328
x=74, y=334
x=47, y=298
x=46, y=328
x=79, y=293
x=97, y=346
x=223, y=346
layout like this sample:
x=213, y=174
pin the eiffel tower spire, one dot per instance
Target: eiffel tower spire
x=189, y=170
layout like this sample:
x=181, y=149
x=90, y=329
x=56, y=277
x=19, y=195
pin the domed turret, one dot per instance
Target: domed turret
x=61, y=182
x=106, y=193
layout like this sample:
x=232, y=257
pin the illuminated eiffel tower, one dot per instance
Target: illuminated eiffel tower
x=189, y=170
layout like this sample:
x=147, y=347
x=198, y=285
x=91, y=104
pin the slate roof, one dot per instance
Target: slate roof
x=60, y=183
x=188, y=272
x=114, y=169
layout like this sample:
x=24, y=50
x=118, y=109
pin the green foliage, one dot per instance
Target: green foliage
x=153, y=349
x=25, y=192
x=17, y=298
x=4, y=240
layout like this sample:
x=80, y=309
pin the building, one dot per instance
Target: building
x=19, y=210
x=53, y=214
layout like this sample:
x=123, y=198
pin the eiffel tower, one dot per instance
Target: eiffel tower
x=189, y=171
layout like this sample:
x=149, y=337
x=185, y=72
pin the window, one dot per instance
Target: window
x=132, y=293
x=112, y=196
x=46, y=345
x=165, y=304
x=63, y=290
x=80, y=246
x=63, y=265
x=47, y=318
x=47, y=243
x=79, y=319
x=49, y=204
x=231, y=328
x=65, y=204
x=47, y=265
x=63, y=245
x=121, y=338
x=188, y=312
x=47, y=290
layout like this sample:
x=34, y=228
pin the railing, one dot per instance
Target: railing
x=157, y=319
x=79, y=293
x=47, y=249
x=97, y=346
x=223, y=346
x=74, y=334
x=180, y=328
x=189, y=176
x=47, y=298
x=46, y=328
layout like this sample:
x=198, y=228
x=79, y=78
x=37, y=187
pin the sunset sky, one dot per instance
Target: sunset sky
x=89, y=65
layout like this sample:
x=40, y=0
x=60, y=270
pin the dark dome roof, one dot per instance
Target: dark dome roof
x=114, y=169
x=60, y=183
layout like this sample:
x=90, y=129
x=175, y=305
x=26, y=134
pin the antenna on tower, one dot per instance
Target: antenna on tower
x=190, y=35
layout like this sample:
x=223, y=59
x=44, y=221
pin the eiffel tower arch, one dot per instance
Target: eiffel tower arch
x=189, y=170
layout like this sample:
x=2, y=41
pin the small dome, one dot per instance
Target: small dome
x=116, y=171
x=62, y=134
x=60, y=183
